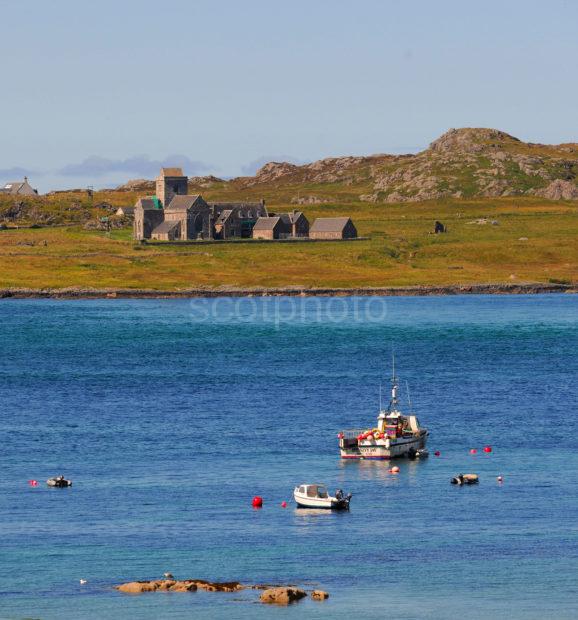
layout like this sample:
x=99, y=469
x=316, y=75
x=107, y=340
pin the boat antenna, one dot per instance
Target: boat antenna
x=380, y=405
x=408, y=396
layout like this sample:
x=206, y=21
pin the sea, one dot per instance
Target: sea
x=170, y=415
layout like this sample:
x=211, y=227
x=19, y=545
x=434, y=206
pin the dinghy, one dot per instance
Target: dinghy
x=316, y=496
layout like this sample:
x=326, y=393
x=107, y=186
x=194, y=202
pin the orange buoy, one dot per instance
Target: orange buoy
x=487, y=449
x=257, y=502
x=473, y=451
x=283, y=504
x=394, y=470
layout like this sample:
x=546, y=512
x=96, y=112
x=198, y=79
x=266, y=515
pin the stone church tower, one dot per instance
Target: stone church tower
x=171, y=182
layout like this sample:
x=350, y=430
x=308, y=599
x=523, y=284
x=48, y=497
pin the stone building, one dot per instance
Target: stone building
x=18, y=188
x=171, y=182
x=333, y=228
x=174, y=214
x=271, y=228
x=282, y=226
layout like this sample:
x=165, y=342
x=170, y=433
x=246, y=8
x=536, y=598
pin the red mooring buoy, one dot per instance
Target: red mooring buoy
x=257, y=502
x=487, y=449
x=33, y=483
x=283, y=504
x=473, y=451
x=437, y=453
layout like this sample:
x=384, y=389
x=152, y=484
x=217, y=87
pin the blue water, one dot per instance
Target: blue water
x=169, y=415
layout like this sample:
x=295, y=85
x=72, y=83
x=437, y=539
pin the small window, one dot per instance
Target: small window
x=301, y=489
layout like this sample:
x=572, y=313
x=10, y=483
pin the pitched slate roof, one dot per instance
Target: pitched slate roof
x=182, y=203
x=15, y=187
x=294, y=216
x=172, y=172
x=125, y=210
x=329, y=224
x=166, y=226
x=266, y=223
x=144, y=203
x=224, y=216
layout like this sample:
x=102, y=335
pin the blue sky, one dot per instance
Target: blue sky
x=96, y=93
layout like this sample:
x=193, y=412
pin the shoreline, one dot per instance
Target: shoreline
x=295, y=291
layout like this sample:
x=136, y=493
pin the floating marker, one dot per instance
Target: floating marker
x=500, y=478
x=437, y=453
x=283, y=504
x=473, y=451
x=487, y=449
x=33, y=483
x=257, y=502
x=394, y=470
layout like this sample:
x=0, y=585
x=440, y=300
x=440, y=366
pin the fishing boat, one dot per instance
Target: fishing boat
x=396, y=434
x=316, y=496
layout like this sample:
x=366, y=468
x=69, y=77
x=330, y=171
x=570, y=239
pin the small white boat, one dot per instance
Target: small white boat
x=316, y=496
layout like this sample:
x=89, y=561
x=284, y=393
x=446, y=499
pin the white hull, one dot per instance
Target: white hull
x=383, y=449
x=327, y=503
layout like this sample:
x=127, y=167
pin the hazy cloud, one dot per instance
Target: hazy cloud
x=140, y=165
x=16, y=173
x=251, y=168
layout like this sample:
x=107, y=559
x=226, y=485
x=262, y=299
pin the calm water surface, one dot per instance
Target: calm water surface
x=169, y=423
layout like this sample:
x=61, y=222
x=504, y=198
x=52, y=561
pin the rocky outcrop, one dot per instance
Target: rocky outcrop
x=559, y=190
x=273, y=595
x=462, y=163
x=282, y=596
x=174, y=585
x=137, y=185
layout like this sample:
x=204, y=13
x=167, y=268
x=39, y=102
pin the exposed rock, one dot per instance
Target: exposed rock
x=319, y=595
x=273, y=170
x=307, y=200
x=184, y=585
x=470, y=139
x=282, y=596
x=205, y=181
x=137, y=185
x=559, y=190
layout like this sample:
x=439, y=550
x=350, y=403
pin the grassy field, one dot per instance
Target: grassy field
x=533, y=240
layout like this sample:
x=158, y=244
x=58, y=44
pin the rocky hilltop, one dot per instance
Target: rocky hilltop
x=462, y=163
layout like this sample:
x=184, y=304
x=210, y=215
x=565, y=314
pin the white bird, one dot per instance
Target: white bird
x=168, y=575
x=83, y=581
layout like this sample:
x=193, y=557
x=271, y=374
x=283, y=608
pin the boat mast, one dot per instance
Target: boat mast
x=394, y=402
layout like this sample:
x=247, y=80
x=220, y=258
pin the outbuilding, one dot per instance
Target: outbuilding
x=333, y=228
x=271, y=228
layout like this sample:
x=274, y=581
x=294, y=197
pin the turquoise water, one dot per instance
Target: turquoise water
x=169, y=415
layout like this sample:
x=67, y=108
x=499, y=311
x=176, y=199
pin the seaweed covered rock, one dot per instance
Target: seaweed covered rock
x=282, y=596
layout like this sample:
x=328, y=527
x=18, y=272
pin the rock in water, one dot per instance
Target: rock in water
x=319, y=595
x=282, y=596
x=136, y=587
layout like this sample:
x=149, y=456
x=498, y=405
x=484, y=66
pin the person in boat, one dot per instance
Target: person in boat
x=339, y=494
